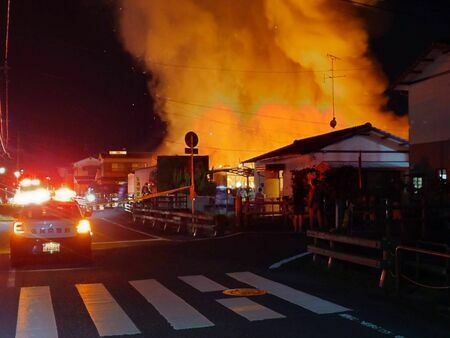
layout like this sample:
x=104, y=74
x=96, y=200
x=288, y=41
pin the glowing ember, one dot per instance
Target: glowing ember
x=250, y=76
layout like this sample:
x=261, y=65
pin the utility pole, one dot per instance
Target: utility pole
x=18, y=152
x=333, y=58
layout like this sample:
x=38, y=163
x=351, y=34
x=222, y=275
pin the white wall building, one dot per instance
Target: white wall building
x=427, y=83
x=364, y=146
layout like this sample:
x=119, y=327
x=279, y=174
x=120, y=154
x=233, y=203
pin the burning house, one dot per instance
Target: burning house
x=376, y=153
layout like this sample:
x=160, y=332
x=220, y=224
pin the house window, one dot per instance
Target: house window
x=417, y=182
x=117, y=167
x=442, y=174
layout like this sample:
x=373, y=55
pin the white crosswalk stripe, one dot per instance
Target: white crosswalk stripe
x=249, y=309
x=303, y=299
x=175, y=310
x=202, y=283
x=35, y=317
x=107, y=315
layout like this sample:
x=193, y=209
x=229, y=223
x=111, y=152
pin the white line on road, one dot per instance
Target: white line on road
x=35, y=315
x=303, y=299
x=287, y=260
x=11, y=282
x=133, y=230
x=175, y=310
x=107, y=315
x=202, y=283
x=369, y=325
x=57, y=270
x=249, y=309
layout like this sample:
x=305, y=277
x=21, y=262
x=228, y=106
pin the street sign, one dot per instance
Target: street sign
x=188, y=151
x=191, y=139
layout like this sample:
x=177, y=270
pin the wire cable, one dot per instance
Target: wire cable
x=424, y=285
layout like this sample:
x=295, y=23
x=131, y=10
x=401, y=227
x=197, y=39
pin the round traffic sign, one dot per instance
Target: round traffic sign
x=191, y=139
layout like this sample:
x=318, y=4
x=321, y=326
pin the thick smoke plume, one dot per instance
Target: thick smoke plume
x=250, y=76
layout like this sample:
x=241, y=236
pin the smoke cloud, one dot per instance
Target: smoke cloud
x=250, y=76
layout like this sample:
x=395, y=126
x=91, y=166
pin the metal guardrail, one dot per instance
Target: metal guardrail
x=332, y=253
x=398, y=272
x=250, y=210
x=181, y=221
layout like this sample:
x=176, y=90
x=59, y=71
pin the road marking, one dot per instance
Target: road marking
x=369, y=325
x=287, y=260
x=303, y=299
x=11, y=282
x=124, y=244
x=175, y=310
x=133, y=230
x=249, y=309
x=57, y=270
x=202, y=283
x=35, y=315
x=107, y=315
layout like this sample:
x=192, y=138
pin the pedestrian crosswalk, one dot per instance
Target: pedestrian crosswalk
x=36, y=313
x=178, y=313
x=35, y=317
x=105, y=312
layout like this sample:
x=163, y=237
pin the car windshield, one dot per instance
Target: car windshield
x=51, y=211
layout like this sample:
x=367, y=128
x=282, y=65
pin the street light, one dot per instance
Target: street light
x=17, y=174
x=2, y=170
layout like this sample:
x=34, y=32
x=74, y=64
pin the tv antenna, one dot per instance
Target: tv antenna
x=332, y=76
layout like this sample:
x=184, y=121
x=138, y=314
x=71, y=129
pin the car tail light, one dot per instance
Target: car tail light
x=83, y=226
x=18, y=228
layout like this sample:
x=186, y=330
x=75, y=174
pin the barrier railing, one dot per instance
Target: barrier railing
x=252, y=210
x=398, y=265
x=180, y=221
x=327, y=247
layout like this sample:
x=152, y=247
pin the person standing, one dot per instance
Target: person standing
x=315, y=204
x=259, y=200
x=298, y=209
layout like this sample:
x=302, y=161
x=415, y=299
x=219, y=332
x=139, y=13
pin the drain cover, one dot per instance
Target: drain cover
x=244, y=292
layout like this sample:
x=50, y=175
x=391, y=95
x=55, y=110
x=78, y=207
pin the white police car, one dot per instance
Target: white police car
x=50, y=228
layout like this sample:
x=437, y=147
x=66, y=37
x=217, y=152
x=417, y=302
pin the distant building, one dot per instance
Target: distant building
x=139, y=178
x=427, y=83
x=84, y=172
x=365, y=146
x=115, y=165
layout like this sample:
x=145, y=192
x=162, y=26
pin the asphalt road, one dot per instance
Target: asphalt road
x=137, y=286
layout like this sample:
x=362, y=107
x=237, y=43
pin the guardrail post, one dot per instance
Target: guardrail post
x=330, y=259
x=384, y=271
x=315, y=255
x=397, y=270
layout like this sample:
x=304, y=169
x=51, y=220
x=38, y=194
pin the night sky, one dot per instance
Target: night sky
x=75, y=92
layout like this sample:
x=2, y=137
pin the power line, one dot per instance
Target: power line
x=237, y=111
x=261, y=71
x=420, y=15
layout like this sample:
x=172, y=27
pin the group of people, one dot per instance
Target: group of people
x=313, y=204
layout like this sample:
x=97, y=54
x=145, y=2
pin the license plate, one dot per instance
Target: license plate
x=50, y=247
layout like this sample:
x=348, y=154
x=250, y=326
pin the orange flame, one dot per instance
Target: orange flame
x=251, y=76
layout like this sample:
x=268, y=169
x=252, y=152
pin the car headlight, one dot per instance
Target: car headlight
x=83, y=226
x=18, y=228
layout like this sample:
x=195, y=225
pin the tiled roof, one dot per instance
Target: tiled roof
x=127, y=155
x=316, y=143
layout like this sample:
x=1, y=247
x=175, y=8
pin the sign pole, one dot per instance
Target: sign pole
x=192, y=178
x=191, y=140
